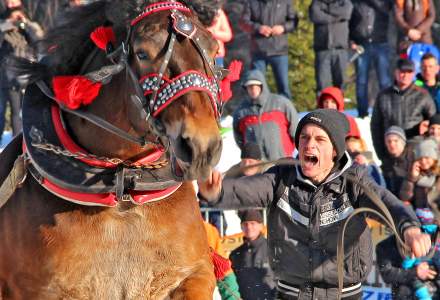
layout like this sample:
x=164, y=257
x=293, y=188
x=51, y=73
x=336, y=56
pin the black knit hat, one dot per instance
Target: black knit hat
x=435, y=119
x=251, y=150
x=250, y=215
x=331, y=121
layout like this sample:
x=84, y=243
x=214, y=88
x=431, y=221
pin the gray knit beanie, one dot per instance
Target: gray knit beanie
x=426, y=148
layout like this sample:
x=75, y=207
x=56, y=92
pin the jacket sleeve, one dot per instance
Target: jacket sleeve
x=390, y=272
x=426, y=24
x=403, y=216
x=400, y=20
x=238, y=136
x=337, y=11
x=291, y=18
x=247, y=22
x=378, y=130
x=320, y=15
x=429, y=109
x=248, y=191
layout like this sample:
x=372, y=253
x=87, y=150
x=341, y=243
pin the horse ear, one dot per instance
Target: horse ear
x=120, y=12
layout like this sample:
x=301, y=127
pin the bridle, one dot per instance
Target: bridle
x=160, y=90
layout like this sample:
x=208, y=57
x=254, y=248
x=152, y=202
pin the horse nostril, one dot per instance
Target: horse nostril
x=183, y=149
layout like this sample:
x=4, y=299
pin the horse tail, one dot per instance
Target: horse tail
x=25, y=71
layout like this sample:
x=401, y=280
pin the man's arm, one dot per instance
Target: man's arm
x=247, y=22
x=291, y=18
x=429, y=109
x=320, y=15
x=403, y=216
x=341, y=10
x=400, y=20
x=426, y=24
x=247, y=191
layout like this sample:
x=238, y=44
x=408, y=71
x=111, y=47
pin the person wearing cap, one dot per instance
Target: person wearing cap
x=266, y=119
x=403, y=104
x=408, y=275
x=399, y=156
x=308, y=200
x=434, y=127
x=423, y=174
x=250, y=261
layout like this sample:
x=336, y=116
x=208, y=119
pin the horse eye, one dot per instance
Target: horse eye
x=141, y=55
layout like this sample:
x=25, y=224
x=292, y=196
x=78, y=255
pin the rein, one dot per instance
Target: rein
x=383, y=214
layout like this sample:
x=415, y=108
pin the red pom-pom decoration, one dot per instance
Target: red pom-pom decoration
x=101, y=36
x=74, y=91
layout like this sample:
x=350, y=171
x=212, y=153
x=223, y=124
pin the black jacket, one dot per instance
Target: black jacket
x=406, y=109
x=330, y=19
x=250, y=263
x=303, y=220
x=401, y=280
x=395, y=170
x=270, y=13
x=369, y=21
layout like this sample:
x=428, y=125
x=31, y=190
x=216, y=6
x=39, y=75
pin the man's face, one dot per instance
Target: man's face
x=329, y=102
x=403, y=78
x=395, y=145
x=248, y=162
x=434, y=131
x=316, y=153
x=254, y=90
x=430, y=68
x=251, y=229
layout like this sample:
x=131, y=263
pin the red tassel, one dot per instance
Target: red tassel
x=101, y=36
x=74, y=91
x=234, y=75
x=221, y=265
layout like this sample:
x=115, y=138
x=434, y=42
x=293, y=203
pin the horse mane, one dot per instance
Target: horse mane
x=68, y=42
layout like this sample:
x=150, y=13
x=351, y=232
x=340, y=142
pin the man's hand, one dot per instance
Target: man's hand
x=277, y=30
x=419, y=242
x=211, y=188
x=265, y=30
x=424, y=272
x=414, y=34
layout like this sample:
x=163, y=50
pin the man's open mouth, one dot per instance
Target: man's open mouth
x=310, y=158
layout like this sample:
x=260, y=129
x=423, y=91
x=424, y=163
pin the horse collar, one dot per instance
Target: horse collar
x=84, y=181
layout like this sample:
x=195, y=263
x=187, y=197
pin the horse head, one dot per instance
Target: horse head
x=162, y=86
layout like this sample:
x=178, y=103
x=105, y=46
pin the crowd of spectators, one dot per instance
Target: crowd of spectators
x=405, y=117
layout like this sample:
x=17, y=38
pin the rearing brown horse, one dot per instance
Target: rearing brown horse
x=149, y=128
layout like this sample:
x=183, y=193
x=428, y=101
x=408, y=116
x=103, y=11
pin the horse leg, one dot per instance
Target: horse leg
x=198, y=286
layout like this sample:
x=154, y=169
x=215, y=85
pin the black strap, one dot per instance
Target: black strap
x=92, y=118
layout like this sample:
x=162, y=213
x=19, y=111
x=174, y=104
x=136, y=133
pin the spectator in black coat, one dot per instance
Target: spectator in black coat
x=331, y=41
x=250, y=261
x=269, y=22
x=368, y=28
